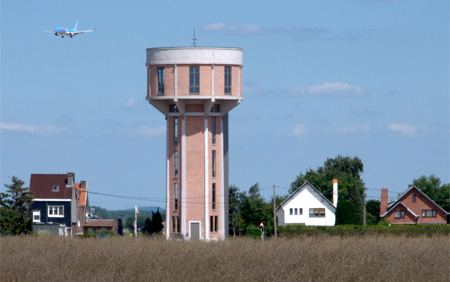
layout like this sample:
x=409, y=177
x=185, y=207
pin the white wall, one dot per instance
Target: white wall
x=307, y=198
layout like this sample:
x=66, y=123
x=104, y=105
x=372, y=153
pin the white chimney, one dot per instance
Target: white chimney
x=335, y=192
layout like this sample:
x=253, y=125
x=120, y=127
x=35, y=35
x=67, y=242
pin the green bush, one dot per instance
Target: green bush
x=359, y=230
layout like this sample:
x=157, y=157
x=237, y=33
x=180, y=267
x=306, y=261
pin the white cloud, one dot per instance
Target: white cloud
x=151, y=131
x=129, y=104
x=30, y=128
x=329, y=88
x=335, y=88
x=252, y=29
x=403, y=128
x=298, y=130
x=351, y=129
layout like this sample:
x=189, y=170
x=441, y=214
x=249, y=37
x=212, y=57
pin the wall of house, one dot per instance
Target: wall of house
x=305, y=199
x=43, y=207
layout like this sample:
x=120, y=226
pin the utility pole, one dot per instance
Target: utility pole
x=364, y=207
x=274, y=214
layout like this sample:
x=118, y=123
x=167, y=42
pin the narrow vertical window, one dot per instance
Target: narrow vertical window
x=161, y=80
x=178, y=224
x=227, y=80
x=173, y=223
x=213, y=196
x=194, y=80
x=211, y=224
x=175, y=131
x=291, y=211
x=213, y=163
x=295, y=211
x=213, y=130
x=216, y=225
x=414, y=198
x=176, y=163
x=176, y=195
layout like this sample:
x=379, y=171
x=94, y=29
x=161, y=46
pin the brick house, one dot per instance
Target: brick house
x=411, y=207
x=59, y=204
x=103, y=225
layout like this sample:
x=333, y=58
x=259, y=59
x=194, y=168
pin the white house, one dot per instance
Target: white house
x=307, y=206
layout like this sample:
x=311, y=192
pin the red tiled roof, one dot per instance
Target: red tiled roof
x=82, y=197
x=41, y=186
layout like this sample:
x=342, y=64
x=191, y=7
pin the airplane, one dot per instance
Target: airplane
x=67, y=31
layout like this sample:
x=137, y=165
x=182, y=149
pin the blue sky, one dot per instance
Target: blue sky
x=320, y=79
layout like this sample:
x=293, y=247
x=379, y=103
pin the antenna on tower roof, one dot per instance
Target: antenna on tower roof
x=194, y=39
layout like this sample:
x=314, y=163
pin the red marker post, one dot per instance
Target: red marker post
x=262, y=230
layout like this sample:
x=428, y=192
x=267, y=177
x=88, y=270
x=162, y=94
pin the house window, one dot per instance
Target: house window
x=213, y=196
x=213, y=223
x=300, y=211
x=414, y=198
x=213, y=163
x=291, y=211
x=37, y=216
x=176, y=163
x=295, y=211
x=400, y=214
x=176, y=195
x=227, y=80
x=428, y=213
x=178, y=224
x=213, y=130
x=175, y=131
x=173, y=223
x=173, y=108
x=56, y=211
x=194, y=80
x=317, y=212
x=161, y=80
x=55, y=188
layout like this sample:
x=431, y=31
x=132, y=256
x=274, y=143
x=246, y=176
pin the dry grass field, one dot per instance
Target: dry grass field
x=325, y=258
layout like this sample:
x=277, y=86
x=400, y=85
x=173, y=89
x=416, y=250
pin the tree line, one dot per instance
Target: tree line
x=247, y=209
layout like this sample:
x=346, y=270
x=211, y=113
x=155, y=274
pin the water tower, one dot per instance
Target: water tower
x=195, y=88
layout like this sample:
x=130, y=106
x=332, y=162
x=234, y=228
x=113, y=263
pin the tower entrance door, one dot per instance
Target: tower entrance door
x=195, y=231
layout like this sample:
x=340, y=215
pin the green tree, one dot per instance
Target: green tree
x=235, y=199
x=431, y=186
x=351, y=187
x=373, y=212
x=157, y=221
x=14, y=206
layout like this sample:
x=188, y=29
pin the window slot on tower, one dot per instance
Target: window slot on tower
x=194, y=80
x=173, y=108
x=215, y=108
x=175, y=131
x=213, y=196
x=161, y=80
x=213, y=163
x=227, y=80
x=176, y=163
x=176, y=195
x=213, y=130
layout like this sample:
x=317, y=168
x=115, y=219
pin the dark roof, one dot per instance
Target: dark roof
x=41, y=186
x=301, y=188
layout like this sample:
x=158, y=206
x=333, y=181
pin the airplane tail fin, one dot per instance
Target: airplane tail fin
x=76, y=26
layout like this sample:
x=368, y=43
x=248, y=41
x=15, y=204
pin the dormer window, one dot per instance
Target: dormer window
x=55, y=188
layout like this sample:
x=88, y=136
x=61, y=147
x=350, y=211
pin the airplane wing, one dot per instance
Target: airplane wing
x=83, y=31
